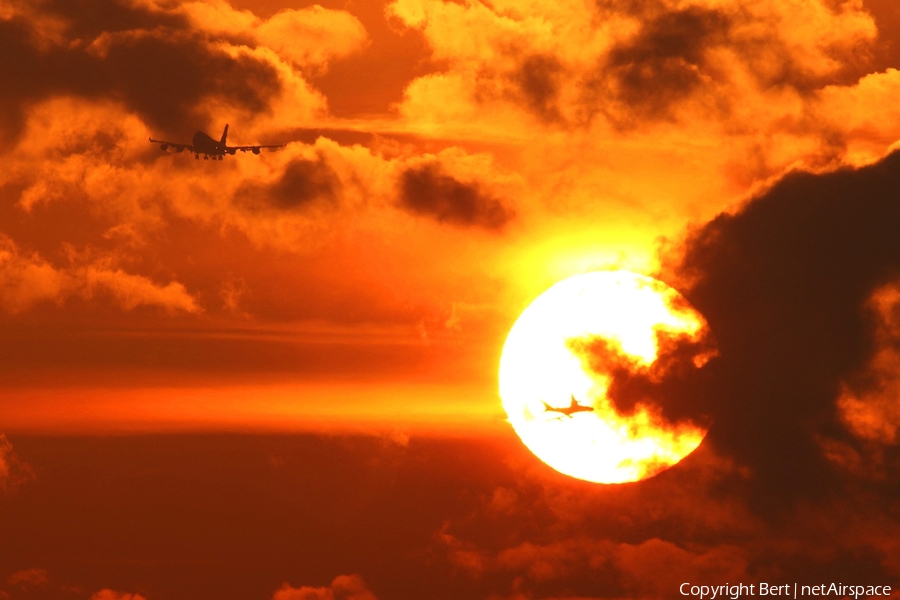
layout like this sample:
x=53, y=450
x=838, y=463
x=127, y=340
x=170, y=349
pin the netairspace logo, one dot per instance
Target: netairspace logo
x=787, y=590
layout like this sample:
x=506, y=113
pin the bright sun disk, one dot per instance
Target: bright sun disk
x=561, y=353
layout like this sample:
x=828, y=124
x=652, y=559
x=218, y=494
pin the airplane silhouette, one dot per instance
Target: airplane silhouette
x=208, y=147
x=568, y=411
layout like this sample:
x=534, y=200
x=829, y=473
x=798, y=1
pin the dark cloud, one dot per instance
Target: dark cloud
x=425, y=190
x=783, y=283
x=302, y=182
x=86, y=19
x=673, y=384
x=165, y=81
x=538, y=80
x=230, y=517
x=30, y=75
x=152, y=61
x=887, y=18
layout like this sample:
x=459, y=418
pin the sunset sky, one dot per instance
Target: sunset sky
x=274, y=377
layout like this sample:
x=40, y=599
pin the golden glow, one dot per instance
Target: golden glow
x=545, y=360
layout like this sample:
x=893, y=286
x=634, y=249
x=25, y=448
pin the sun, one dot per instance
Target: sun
x=583, y=370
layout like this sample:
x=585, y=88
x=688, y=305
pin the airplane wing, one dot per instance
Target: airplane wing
x=253, y=149
x=164, y=146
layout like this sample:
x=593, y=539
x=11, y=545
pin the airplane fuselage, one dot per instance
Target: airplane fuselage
x=203, y=144
x=568, y=411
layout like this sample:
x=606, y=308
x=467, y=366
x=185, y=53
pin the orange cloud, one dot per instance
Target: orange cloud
x=27, y=280
x=28, y=577
x=308, y=37
x=107, y=594
x=656, y=568
x=764, y=78
x=344, y=587
x=13, y=473
x=868, y=403
x=175, y=66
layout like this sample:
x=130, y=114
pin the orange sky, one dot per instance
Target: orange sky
x=275, y=376
x=433, y=184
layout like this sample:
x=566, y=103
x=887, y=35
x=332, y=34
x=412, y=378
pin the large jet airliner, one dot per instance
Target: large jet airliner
x=568, y=411
x=208, y=147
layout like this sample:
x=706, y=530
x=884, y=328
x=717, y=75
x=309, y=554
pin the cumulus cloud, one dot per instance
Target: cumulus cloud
x=96, y=213
x=344, y=587
x=425, y=190
x=26, y=279
x=313, y=36
x=667, y=61
x=783, y=283
x=630, y=62
x=771, y=84
x=301, y=182
x=175, y=66
x=308, y=37
x=141, y=54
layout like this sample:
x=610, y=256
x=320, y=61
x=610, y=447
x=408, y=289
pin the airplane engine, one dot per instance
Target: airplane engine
x=179, y=149
x=256, y=151
x=232, y=151
x=164, y=147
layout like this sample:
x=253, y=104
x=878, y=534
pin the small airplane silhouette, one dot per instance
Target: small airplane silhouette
x=210, y=148
x=568, y=411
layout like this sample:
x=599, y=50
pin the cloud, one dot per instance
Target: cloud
x=868, y=403
x=13, y=473
x=543, y=535
x=344, y=587
x=27, y=279
x=299, y=183
x=763, y=78
x=29, y=577
x=146, y=57
x=131, y=291
x=538, y=81
x=308, y=37
x=602, y=567
x=313, y=36
x=176, y=66
x=783, y=283
x=88, y=203
x=108, y=594
x=664, y=63
x=655, y=568
x=427, y=191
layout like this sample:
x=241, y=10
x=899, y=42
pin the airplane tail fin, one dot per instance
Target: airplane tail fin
x=224, y=136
